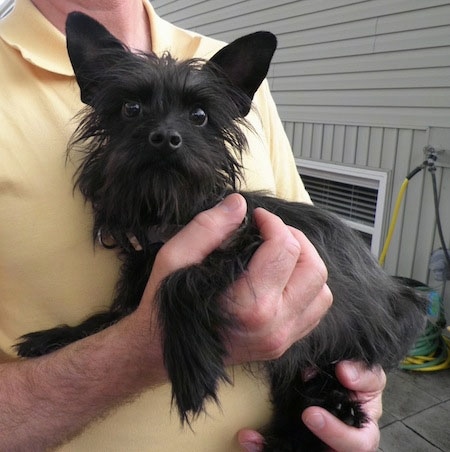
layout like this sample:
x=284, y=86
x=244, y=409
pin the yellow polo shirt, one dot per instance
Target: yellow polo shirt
x=50, y=272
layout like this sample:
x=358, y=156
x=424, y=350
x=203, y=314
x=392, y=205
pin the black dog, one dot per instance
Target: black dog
x=157, y=135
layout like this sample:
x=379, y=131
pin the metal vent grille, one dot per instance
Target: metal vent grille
x=356, y=194
x=351, y=202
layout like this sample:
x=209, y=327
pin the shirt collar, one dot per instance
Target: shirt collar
x=43, y=45
x=39, y=42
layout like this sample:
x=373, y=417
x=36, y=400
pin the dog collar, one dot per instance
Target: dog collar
x=155, y=234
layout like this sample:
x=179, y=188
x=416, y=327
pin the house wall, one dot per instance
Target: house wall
x=363, y=83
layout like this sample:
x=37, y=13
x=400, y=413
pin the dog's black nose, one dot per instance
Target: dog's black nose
x=165, y=138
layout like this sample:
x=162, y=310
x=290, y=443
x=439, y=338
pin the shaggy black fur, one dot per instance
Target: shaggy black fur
x=162, y=142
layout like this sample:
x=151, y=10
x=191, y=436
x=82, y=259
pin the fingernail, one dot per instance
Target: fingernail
x=315, y=421
x=252, y=447
x=230, y=203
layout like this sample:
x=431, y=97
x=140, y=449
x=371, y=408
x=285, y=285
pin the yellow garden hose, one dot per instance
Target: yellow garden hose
x=390, y=233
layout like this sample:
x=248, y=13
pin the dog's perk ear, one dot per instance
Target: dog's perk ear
x=88, y=43
x=246, y=61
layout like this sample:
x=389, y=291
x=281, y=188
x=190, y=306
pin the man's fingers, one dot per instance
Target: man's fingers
x=311, y=271
x=311, y=264
x=203, y=234
x=250, y=440
x=258, y=294
x=367, y=384
x=339, y=436
x=273, y=262
x=196, y=240
x=354, y=376
x=283, y=294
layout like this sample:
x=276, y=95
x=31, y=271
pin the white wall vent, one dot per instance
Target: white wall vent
x=357, y=195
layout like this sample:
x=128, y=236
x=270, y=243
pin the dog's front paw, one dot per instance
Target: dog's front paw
x=345, y=409
x=43, y=342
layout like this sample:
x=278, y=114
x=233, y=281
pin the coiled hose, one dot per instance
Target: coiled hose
x=431, y=352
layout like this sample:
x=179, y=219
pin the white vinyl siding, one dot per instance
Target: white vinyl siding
x=363, y=83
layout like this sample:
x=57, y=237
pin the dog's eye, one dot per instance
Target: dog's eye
x=131, y=109
x=198, y=117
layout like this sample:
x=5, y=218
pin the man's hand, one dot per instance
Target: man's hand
x=281, y=297
x=368, y=386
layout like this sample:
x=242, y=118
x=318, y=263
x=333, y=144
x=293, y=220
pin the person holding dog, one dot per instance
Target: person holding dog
x=109, y=391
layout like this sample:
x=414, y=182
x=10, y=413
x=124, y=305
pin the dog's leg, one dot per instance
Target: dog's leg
x=128, y=295
x=286, y=432
x=194, y=325
x=42, y=342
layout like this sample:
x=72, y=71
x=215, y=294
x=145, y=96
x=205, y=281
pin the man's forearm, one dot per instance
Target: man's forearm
x=46, y=401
